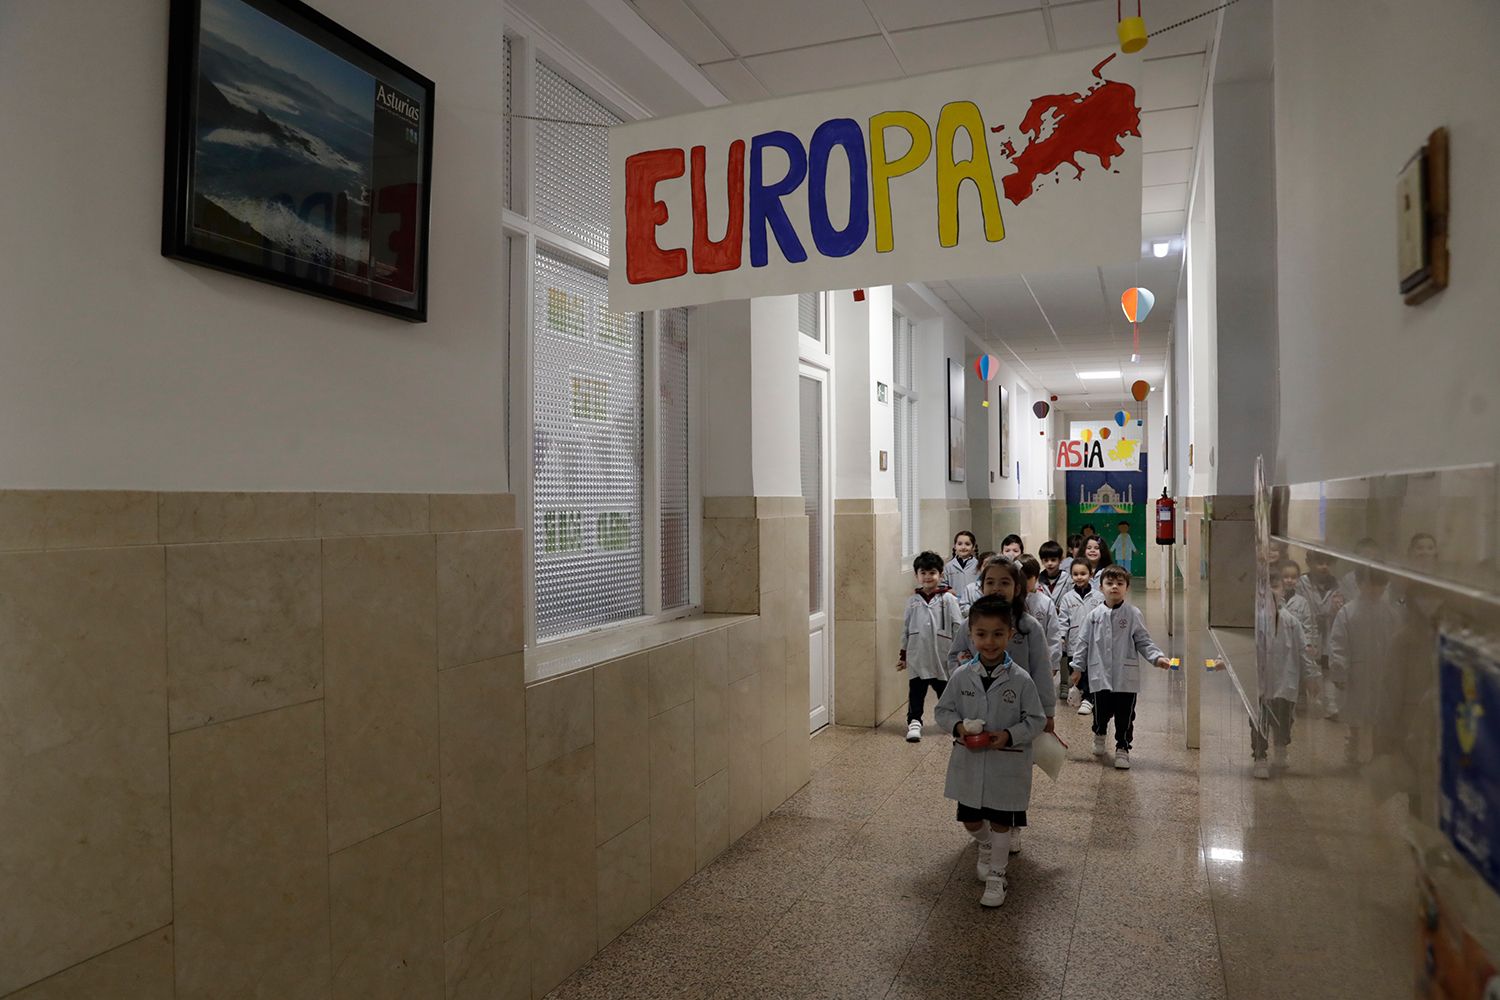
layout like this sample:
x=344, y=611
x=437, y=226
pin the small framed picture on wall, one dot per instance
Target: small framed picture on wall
x=955, y=422
x=1002, y=415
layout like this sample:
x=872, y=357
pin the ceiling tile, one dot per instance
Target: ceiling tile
x=898, y=15
x=1175, y=129
x=837, y=64
x=735, y=81
x=1165, y=198
x=1156, y=224
x=1084, y=25
x=675, y=22
x=971, y=43
x=773, y=25
x=1172, y=83
x=1174, y=167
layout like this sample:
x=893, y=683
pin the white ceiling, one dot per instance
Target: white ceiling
x=767, y=48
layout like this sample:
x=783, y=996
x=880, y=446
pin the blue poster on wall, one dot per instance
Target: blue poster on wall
x=1469, y=768
x=1114, y=505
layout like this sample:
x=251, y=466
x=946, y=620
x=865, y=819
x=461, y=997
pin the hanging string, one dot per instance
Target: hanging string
x=559, y=121
x=1188, y=20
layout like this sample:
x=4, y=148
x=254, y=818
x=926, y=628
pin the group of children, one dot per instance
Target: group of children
x=1329, y=644
x=998, y=638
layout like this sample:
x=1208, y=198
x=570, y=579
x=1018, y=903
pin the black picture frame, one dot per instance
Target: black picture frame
x=270, y=172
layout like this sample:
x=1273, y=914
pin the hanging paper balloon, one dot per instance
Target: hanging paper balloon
x=1120, y=417
x=1140, y=423
x=987, y=367
x=1088, y=435
x=1127, y=417
x=1040, y=408
x=1139, y=389
x=1137, y=303
x=1104, y=432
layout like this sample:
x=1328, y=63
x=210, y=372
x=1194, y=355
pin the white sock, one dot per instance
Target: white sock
x=981, y=835
x=1000, y=851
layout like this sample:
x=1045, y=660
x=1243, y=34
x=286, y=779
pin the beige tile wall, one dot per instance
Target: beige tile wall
x=281, y=744
x=870, y=603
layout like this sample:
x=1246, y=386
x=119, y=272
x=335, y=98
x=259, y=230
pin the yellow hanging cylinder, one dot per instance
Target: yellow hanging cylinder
x=1132, y=32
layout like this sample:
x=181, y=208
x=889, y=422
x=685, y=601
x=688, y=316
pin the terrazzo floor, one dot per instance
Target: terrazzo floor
x=862, y=885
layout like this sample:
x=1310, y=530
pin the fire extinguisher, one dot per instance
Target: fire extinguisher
x=1166, y=519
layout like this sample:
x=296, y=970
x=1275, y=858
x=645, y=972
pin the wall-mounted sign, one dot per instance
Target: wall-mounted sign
x=1029, y=164
x=1101, y=447
x=882, y=392
x=1422, y=221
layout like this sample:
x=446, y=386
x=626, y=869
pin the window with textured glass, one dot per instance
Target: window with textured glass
x=571, y=186
x=904, y=415
x=810, y=315
x=587, y=452
x=672, y=443
x=810, y=406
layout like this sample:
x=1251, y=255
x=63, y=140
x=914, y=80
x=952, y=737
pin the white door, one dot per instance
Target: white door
x=817, y=500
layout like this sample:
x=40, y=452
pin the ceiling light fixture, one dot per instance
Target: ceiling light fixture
x=1160, y=249
x=1091, y=376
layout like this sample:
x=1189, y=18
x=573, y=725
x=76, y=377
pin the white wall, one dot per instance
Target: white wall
x=775, y=414
x=121, y=369
x=862, y=357
x=1244, y=182
x=1367, y=383
x=1199, y=255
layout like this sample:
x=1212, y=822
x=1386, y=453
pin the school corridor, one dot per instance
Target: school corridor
x=630, y=499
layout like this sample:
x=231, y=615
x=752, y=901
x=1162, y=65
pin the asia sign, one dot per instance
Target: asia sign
x=1030, y=164
x=1102, y=447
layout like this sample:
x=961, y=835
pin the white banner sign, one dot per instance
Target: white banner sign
x=1106, y=446
x=1026, y=165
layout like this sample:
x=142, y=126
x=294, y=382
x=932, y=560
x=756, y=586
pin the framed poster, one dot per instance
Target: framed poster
x=955, y=422
x=1003, y=417
x=297, y=153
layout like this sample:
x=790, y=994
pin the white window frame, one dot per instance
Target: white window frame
x=902, y=324
x=523, y=237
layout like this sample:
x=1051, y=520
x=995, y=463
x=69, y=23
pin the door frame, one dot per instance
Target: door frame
x=817, y=363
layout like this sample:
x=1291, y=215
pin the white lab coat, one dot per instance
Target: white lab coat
x=1056, y=589
x=992, y=779
x=1110, y=647
x=1298, y=607
x=1321, y=601
x=1043, y=610
x=1360, y=645
x=1028, y=647
x=958, y=575
x=927, y=634
x=1072, y=609
x=1288, y=663
x=971, y=594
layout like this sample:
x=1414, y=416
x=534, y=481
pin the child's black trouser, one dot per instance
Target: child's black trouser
x=1276, y=718
x=917, y=699
x=1117, y=705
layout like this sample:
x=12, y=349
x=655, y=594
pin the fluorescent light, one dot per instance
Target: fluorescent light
x=1225, y=854
x=1090, y=376
x=1160, y=249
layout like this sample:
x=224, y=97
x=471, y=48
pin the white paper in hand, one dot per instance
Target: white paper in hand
x=1047, y=753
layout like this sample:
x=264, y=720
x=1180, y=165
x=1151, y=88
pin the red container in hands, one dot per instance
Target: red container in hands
x=977, y=741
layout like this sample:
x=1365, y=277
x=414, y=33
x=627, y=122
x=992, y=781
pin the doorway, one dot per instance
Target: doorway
x=817, y=503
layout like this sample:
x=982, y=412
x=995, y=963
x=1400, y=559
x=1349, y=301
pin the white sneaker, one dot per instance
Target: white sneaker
x=1262, y=769
x=982, y=862
x=1278, y=757
x=994, y=891
x=1087, y=708
x=914, y=731
x=1122, y=760
x=1015, y=840
x=1099, y=749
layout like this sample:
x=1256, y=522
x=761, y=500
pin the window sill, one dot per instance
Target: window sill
x=582, y=652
